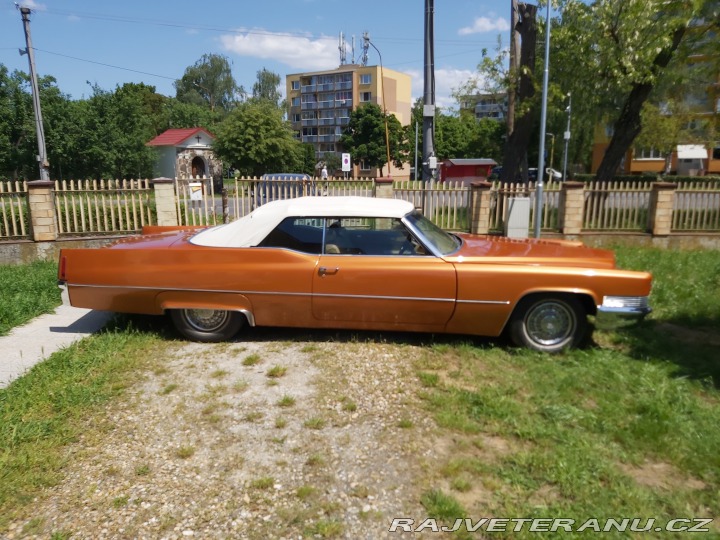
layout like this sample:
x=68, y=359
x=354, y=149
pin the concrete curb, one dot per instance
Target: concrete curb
x=32, y=343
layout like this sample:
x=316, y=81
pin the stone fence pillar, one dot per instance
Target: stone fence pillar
x=41, y=202
x=480, y=205
x=571, y=207
x=384, y=188
x=165, y=201
x=662, y=199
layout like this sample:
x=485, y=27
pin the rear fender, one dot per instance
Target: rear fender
x=206, y=300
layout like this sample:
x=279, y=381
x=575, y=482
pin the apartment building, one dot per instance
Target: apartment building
x=492, y=106
x=320, y=102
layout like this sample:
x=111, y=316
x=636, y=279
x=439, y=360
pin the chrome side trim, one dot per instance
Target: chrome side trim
x=280, y=293
x=493, y=302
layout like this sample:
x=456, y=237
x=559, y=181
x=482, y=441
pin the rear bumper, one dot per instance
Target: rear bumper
x=621, y=311
x=64, y=295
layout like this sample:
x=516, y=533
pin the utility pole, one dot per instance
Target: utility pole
x=39, y=130
x=429, y=161
x=514, y=65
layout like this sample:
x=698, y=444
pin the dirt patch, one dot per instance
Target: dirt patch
x=661, y=476
x=212, y=446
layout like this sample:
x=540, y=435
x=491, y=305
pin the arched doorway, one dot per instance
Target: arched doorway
x=198, y=167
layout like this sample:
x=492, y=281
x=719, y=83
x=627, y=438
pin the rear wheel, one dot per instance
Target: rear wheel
x=207, y=325
x=549, y=323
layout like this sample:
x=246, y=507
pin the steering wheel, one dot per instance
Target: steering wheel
x=409, y=245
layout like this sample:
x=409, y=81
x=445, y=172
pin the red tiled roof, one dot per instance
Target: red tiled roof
x=173, y=137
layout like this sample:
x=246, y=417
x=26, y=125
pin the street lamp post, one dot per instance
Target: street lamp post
x=566, y=136
x=382, y=82
x=543, y=122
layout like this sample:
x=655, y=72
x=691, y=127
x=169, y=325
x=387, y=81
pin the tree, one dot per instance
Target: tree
x=662, y=130
x=630, y=46
x=209, y=82
x=256, y=140
x=364, y=138
x=267, y=88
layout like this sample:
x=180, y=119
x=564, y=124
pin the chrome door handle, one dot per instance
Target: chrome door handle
x=323, y=270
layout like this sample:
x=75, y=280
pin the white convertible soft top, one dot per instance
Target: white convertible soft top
x=250, y=230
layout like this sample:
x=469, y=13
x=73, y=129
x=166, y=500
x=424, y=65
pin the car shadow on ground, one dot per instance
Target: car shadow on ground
x=692, y=346
x=162, y=326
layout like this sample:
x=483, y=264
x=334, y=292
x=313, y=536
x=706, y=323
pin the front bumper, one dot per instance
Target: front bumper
x=621, y=311
x=64, y=295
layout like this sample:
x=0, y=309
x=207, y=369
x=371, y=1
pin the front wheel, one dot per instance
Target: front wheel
x=549, y=323
x=207, y=325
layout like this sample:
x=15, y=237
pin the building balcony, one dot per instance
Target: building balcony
x=308, y=89
x=343, y=85
x=310, y=122
x=327, y=121
x=309, y=138
x=309, y=106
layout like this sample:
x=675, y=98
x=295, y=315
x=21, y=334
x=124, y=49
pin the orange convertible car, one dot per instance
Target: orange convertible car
x=359, y=263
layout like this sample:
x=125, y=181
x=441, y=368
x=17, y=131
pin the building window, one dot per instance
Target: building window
x=648, y=153
x=365, y=97
x=365, y=78
x=296, y=117
x=295, y=85
x=296, y=101
x=364, y=166
x=716, y=151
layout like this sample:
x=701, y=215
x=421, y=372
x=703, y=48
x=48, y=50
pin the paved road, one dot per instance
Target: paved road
x=27, y=345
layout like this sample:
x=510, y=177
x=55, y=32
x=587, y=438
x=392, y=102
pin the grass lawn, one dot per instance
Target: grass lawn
x=29, y=290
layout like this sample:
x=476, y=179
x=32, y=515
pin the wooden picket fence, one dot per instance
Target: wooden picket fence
x=445, y=203
x=697, y=207
x=97, y=207
x=617, y=206
x=103, y=207
x=14, y=214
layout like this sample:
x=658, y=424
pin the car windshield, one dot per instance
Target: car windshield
x=441, y=241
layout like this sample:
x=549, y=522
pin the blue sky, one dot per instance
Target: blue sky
x=84, y=42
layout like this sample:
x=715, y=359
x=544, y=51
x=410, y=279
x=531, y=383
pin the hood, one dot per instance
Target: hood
x=530, y=251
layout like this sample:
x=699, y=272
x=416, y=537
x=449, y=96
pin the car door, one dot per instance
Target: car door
x=363, y=280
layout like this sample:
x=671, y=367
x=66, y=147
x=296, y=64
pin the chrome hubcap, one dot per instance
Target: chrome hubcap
x=206, y=320
x=550, y=323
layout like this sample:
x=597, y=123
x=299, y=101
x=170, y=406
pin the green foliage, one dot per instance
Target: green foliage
x=255, y=139
x=209, y=83
x=365, y=137
x=266, y=88
x=29, y=290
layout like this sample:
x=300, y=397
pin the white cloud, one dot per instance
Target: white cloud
x=298, y=52
x=447, y=80
x=484, y=24
x=32, y=4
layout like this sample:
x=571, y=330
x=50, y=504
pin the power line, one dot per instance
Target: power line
x=106, y=65
x=244, y=31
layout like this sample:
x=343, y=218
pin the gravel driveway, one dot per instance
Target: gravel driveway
x=254, y=439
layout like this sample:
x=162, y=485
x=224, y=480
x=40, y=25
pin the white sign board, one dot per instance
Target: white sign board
x=196, y=193
x=346, y=165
